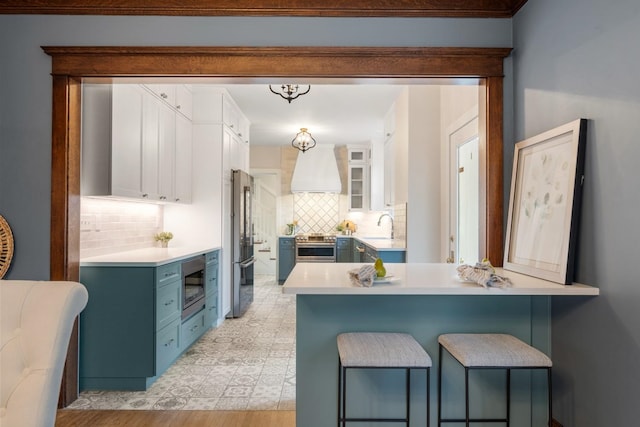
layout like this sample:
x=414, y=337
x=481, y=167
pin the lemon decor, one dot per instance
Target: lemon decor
x=163, y=237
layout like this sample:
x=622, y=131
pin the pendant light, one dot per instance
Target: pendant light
x=303, y=140
x=290, y=92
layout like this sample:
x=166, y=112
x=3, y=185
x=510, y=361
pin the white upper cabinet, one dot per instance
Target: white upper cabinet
x=184, y=101
x=358, y=178
x=183, y=160
x=131, y=144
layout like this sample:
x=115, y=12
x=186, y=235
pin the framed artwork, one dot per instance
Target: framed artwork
x=544, y=205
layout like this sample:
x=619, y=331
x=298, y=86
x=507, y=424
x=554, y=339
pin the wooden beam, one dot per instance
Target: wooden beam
x=312, y=8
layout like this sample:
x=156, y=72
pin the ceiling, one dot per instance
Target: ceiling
x=333, y=114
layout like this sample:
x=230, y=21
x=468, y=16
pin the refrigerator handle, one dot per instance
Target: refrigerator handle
x=248, y=262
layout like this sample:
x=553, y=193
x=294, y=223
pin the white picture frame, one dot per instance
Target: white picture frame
x=544, y=203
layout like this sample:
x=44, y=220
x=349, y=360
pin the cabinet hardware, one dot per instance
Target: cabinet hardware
x=177, y=107
x=145, y=195
x=167, y=344
x=169, y=302
x=193, y=328
x=164, y=95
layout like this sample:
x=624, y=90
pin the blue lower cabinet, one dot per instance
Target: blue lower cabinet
x=286, y=257
x=168, y=346
x=211, y=310
x=132, y=329
x=192, y=329
x=344, y=249
x=392, y=256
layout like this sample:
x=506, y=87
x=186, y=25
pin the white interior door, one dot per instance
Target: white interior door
x=264, y=219
x=464, y=214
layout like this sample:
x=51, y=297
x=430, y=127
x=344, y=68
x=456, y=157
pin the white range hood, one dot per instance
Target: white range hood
x=316, y=171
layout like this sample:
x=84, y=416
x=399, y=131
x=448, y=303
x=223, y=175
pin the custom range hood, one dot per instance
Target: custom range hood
x=316, y=171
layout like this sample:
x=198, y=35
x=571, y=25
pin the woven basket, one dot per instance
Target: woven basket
x=6, y=246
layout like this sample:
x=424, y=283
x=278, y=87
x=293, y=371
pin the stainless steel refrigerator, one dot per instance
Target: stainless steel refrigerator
x=242, y=258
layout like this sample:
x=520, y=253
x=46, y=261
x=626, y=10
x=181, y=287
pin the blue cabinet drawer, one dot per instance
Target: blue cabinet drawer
x=192, y=329
x=211, y=310
x=167, y=345
x=168, y=303
x=167, y=273
x=211, y=257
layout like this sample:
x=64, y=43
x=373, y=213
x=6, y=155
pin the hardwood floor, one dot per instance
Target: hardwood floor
x=109, y=418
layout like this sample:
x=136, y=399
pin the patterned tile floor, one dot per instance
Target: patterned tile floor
x=245, y=364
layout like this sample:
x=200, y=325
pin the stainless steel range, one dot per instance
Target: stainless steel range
x=315, y=247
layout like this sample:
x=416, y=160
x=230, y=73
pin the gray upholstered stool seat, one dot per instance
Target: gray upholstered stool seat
x=392, y=350
x=373, y=350
x=493, y=350
x=490, y=351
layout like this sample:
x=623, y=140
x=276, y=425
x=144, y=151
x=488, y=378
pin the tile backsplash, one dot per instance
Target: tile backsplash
x=316, y=212
x=108, y=226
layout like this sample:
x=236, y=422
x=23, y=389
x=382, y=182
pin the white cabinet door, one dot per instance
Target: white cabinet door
x=166, y=92
x=184, y=101
x=357, y=186
x=150, y=147
x=183, y=160
x=126, y=140
x=167, y=148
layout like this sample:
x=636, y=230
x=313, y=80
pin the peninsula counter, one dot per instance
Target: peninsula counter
x=424, y=300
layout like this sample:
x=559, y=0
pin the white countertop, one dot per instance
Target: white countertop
x=148, y=257
x=383, y=244
x=416, y=279
x=378, y=243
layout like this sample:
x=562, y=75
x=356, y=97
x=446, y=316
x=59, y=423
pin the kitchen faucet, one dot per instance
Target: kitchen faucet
x=391, y=218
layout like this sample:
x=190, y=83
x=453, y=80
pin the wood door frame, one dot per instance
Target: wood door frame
x=355, y=8
x=70, y=64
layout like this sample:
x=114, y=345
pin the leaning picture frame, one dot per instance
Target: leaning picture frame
x=544, y=203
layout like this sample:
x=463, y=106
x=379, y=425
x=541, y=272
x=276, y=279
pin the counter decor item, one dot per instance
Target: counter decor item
x=291, y=228
x=483, y=274
x=544, y=205
x=363, y=276
x=6, y=246
x=347, y=227
x=163, y=237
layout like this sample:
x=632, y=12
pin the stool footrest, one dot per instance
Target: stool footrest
x=474, y=420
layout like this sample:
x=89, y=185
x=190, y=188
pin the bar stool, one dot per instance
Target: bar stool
x=379, y=350
x=490, y=351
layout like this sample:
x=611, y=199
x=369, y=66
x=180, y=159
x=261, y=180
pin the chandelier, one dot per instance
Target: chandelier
x=303, y=140
x=290, y=92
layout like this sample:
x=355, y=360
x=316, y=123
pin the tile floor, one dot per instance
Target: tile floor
x=245, y=364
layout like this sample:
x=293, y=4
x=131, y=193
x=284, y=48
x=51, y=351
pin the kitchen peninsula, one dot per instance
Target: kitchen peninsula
x=424, y=300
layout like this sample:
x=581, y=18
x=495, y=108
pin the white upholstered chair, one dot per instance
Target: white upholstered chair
x=36, y=322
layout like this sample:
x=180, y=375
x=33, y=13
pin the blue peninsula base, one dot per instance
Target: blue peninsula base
x=371, y=393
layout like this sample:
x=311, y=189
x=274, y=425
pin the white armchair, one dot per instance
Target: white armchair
x=36, y=322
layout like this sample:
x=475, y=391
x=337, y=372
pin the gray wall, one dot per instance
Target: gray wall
x=572, y=59
x=25, y=91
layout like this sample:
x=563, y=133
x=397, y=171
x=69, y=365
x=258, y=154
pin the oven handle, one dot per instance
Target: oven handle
x=248, y=262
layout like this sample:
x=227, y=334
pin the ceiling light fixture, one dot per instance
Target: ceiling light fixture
x=291, y=91
x=303, y=140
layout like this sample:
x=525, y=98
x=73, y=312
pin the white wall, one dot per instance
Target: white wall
x=423, y=161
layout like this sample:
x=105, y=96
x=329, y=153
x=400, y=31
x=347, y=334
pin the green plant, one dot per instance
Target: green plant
x=163, y=236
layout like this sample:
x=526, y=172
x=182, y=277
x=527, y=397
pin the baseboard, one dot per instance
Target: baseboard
x=555, y=423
